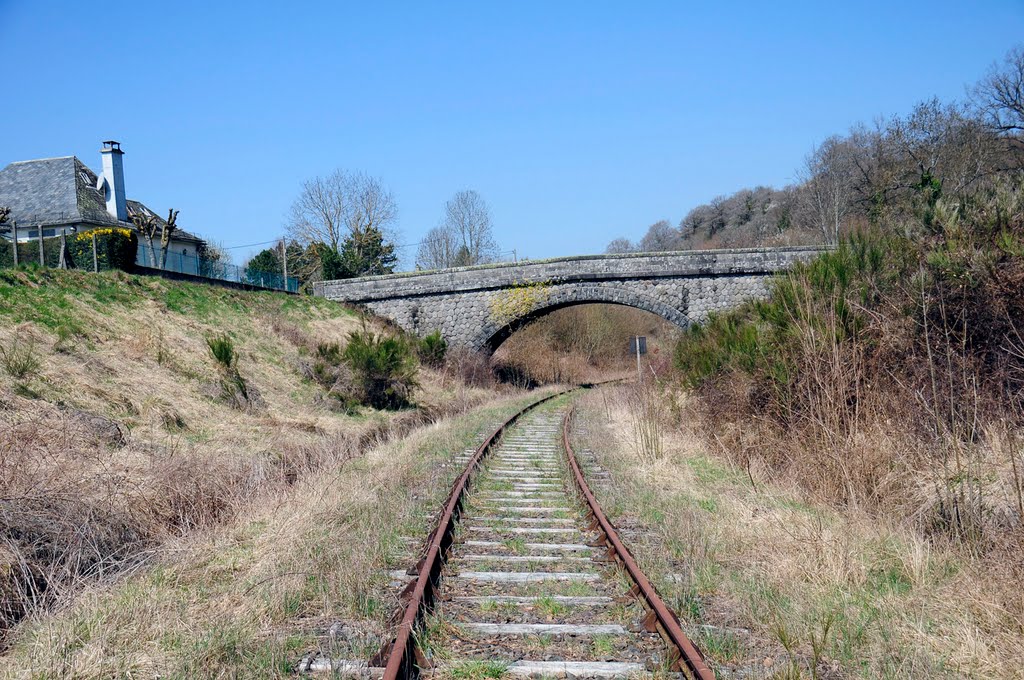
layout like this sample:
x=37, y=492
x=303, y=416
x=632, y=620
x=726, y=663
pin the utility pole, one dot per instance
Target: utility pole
x=42, y=255
x=14, y=240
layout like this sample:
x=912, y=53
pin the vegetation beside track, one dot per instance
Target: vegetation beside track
x=770, y=582
x=164, y=447
x=303, y=571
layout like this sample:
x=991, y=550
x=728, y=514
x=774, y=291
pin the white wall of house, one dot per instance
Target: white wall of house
x=32, y=233
x=181, y=256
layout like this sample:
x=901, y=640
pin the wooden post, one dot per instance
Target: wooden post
x=62, y=260
x=95, y=256
x=14, y=241
x=42, y=255
x=284, y=261
x=639, y=374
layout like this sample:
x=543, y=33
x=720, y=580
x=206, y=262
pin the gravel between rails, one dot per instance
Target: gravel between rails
x=522, y=590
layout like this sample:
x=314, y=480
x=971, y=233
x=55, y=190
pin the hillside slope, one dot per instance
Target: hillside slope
x=121, y=452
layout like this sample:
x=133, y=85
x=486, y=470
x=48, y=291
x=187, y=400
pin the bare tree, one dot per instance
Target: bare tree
x=214, y=260
x=716, y=215
x=828, y=187
x=341, y=205
x=464, y=236
x=620, y=246
x=169, y=228
x=661, y=236
x=694, y=221
x=468, y=215
x=1000, y=95
x=146, y=224
x=5, y=214
x=438, y=249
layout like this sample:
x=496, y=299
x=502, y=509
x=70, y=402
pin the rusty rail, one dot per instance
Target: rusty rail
x=402, y=654
x=660, y=618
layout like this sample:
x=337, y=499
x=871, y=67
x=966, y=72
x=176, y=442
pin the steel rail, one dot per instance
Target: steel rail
x=403, y=654
x=660, y=618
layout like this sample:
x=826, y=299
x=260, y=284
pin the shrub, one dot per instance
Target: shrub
x=329, y=352
x=432, y=348
x=233, y=387
x=330, y=371
x=908, y=335
x=384, y=367
x=115, y=249
x=223, y=350
x=19, y=360
x=472, y=368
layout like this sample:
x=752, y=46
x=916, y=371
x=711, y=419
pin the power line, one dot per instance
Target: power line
x=402, y=245
x=250, y=245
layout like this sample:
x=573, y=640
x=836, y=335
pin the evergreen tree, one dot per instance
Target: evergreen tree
x=267, y=261
x=365, y=253
x=332, y=265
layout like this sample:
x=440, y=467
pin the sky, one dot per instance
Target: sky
x=578, y=122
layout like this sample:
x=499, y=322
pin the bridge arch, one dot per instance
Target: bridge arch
x=680, y=287
x=493, y=334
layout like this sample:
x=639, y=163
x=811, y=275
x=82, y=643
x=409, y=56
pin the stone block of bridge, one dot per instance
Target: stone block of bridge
x=479, y=307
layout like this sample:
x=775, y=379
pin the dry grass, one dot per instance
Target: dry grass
x=792, y=585
x=302, y=570
x=119, y=458
x=584, y=343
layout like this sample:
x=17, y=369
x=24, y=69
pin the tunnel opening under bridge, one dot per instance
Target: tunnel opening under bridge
x=581, y=342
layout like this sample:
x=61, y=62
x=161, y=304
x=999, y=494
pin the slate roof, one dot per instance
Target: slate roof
x=134, y=208
x=57, y=191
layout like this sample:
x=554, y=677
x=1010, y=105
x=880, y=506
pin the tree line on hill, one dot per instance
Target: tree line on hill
x=343, y=225
x=872, y=173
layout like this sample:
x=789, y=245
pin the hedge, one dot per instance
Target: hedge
x=115, y=249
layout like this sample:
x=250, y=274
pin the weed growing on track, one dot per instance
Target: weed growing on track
x=550, y=606
x=474, y=670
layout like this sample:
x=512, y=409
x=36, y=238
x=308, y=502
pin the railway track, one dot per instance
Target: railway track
x=525, y=576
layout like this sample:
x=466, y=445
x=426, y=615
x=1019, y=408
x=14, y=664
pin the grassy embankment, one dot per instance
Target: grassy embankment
x=773, y=582
x=843, y=471
x=151, y=524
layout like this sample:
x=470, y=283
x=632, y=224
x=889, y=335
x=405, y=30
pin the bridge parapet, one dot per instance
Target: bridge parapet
x=466, y=303
x=685, y=263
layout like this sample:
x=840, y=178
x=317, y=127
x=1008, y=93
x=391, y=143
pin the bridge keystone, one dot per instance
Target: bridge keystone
x=479, y=307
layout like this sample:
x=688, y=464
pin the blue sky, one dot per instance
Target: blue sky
x=577, y=121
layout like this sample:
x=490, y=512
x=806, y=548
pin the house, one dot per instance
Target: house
x=62, y=195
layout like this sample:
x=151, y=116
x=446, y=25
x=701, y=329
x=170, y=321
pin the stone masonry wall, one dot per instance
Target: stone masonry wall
x=468, y=305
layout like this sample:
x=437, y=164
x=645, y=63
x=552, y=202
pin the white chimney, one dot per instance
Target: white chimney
x=112, y=182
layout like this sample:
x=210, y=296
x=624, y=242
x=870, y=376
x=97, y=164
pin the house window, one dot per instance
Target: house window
x=47, y=233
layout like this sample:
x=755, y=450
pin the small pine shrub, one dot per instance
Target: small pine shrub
x=234, y=389
x=384, y=368
x=432, y=348
x=329, y=352
x=223, y=350
x=329, y=370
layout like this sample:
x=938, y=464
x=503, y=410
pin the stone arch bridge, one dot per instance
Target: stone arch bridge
x=479, y=307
